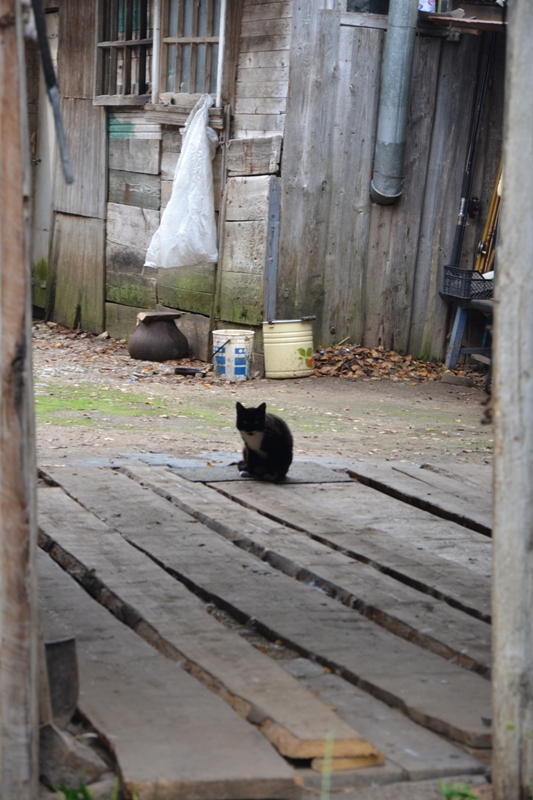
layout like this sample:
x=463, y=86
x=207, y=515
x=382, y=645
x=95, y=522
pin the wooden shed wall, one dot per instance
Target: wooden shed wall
x=369, y=272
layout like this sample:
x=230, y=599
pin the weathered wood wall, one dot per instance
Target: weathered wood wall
x=372, y=273
x=262, y=69
x=75, y=280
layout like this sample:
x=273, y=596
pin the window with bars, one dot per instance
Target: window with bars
x=124, y=52
x=191, y=31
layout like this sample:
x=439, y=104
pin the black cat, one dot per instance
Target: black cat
x=267, y=441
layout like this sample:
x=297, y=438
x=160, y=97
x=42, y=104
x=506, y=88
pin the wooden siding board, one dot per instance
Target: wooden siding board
x=77, y=272
x=268, y=27
x=187, y=288
x=454, y=102
x=255, y=44
x=264, y=58
x=123, y=258
x=130, y=289
x=85, y=130
x=263, y=11
x=307, y=179
x=247, y=198
x=135, y=155
x=131, y=226
x=242, y=297
x=353, y=150
x=244, y=247
x=253, y=156
x=121, y=320
x=76, y=53
x=134, y=189
x=395, y=229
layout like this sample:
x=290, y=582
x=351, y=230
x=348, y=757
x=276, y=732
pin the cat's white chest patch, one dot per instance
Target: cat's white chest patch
x=253, y=441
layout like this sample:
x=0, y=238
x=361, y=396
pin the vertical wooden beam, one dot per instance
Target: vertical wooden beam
x=18, y=629
x=513, y=495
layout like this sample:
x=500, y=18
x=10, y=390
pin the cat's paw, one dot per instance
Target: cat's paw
x=244, y=474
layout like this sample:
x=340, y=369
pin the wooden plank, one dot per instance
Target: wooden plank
x=190, y=744
x=134, y=189
x=121, y=258
x=76, y=53
x=121, y=321
x=397, y=607
x=247, y=198
x=271, y=124
x=85, y=130
x=307, y=178
x=253, y=156
x=130, y=125
x=267, y=74
x=178, y=625
x=429, y=491
x=394, y=230
x=258, y=44
x=277, y=88
x=19, y=659
x=348, y=217
x=130, y=289
x=131, y=226
x=437, y=694
x=260, y=105
x=272, y=251
x=263, y=58
x=241, y=297
x=434, y=556
x=252, y=13
x=447, y=158
x=135, y=155
x=187, y=288
x=513, y=470
x=245, y=247
x=77, y=272
x=419, y=753
x=362, y=20
x=267, y=27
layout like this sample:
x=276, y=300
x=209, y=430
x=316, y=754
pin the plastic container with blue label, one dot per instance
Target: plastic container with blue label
x=232, y=354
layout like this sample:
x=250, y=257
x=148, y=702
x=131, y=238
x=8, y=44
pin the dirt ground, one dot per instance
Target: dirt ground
x=94, y=401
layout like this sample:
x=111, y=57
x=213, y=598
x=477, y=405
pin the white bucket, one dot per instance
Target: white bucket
x=288, y=348
x=233, y=361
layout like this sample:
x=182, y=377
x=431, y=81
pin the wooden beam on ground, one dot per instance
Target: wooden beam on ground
x=396, y=606
x=442, y=495
x=171, y=618
x=171, y=736
x=513, y=496
x=438, y=694
x=18, y=628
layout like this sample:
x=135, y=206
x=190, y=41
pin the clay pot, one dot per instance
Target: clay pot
x=158, y=340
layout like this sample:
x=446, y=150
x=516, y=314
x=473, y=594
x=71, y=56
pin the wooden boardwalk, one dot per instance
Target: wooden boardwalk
x=248, y=620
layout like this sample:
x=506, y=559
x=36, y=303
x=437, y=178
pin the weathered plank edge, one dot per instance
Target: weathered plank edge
x=418, y=502
x=305, y=575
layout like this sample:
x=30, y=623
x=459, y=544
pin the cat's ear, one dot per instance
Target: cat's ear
x=262, y=407
x=239, y=406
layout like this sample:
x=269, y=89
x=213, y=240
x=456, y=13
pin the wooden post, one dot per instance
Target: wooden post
x=513, y=523
x=18, y=611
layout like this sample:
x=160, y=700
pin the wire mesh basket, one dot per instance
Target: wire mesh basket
x=466, y=283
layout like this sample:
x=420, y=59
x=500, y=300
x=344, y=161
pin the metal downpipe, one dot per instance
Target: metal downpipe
x=387, y=179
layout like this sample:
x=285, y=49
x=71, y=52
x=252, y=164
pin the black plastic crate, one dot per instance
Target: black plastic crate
x=466, y=283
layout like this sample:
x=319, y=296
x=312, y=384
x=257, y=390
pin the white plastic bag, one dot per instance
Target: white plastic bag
x=187, y=234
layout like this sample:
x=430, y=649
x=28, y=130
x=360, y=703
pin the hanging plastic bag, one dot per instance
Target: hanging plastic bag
x=187, y=234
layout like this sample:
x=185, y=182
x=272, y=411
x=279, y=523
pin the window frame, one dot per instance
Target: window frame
x=189, y=98
x=108, y=11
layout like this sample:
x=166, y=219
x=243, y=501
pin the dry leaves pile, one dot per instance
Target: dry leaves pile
x=354, y=361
